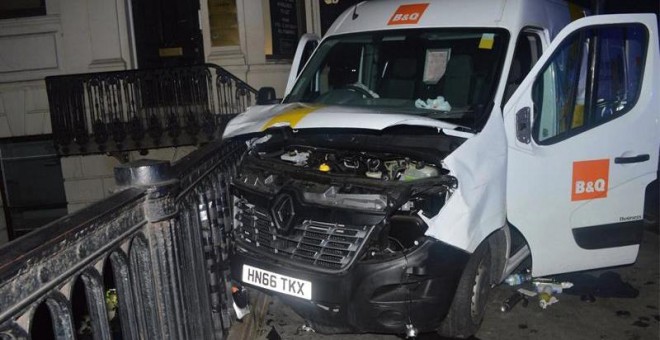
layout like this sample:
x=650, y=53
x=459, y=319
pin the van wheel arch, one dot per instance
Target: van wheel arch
x=517, y=242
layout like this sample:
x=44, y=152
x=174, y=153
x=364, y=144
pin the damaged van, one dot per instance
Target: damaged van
x=427, y=148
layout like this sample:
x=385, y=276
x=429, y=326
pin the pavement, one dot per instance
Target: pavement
x=570, y=318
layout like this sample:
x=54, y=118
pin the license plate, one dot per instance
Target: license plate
x=277, y=282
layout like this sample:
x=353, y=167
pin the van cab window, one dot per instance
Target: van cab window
x=527, y=53
x=443, y=74
x=571, y=97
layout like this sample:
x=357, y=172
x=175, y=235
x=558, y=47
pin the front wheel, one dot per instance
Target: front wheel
x=469, y=304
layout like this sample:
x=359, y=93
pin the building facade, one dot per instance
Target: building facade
x=253, y=39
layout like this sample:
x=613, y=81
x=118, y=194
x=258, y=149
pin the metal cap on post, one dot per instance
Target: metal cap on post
x=156, y=177
x=143, y=173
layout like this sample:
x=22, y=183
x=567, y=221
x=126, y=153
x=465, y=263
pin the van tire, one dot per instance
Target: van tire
x=469, y=303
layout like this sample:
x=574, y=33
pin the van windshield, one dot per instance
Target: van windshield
x=439, y=73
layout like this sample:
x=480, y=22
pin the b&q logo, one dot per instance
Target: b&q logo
x=590, y=179
x=408, y=14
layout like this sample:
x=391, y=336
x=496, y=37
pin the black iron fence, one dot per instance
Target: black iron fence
x=143, y=109
x=150, y=262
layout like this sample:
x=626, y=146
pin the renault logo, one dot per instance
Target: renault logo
x=283, y=213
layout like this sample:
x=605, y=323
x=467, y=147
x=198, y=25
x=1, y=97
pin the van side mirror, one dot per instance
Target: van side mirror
x=266, y=96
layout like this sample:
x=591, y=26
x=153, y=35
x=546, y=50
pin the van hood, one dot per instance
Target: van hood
x=303, y=116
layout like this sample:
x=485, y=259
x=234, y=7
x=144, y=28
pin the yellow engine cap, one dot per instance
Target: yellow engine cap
x=324, y=167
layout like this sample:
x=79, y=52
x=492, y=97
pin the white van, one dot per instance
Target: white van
x=427, y=148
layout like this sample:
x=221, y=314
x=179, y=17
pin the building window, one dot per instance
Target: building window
x=284, y=23
x=224, y=23
x=22, y=8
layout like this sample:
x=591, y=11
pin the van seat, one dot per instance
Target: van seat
x=399, y=80
x=457, y=80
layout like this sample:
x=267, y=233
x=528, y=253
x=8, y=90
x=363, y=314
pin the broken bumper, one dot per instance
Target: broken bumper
x=379, y=295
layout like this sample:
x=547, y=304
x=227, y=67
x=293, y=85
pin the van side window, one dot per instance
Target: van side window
x=579, y=89
x=527, y=53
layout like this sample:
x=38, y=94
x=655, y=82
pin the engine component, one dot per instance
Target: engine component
x=332, y=197
x=296, y=157
x=374, y=174
x=381, y=166
x=417, y=171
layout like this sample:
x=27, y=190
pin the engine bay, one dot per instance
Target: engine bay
x=380, y=166
x=330, y=180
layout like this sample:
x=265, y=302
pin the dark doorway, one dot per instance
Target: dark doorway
x=167, y=33
x=31, y=183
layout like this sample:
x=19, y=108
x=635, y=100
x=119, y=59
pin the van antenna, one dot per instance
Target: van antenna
x=355, y=13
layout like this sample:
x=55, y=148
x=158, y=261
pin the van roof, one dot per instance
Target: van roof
x=513, y=15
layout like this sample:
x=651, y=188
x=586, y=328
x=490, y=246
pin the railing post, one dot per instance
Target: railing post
x=158, y=297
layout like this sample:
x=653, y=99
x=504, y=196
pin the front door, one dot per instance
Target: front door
x=583, y=133
x=167, y=33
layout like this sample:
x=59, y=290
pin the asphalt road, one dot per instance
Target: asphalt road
x=570, y=318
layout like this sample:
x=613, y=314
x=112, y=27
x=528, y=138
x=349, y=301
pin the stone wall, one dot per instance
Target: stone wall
x=74, y=36
x=24, y=109
x=88, y=179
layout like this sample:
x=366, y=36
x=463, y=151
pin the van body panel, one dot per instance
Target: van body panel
x=304, y=116
x=377, y=16
x=550, y=197
x=477, y=207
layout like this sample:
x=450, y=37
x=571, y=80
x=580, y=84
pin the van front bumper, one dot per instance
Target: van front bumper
x=378, y=295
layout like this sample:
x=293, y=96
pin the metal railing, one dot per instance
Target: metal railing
x=143, y=109
x=149, y=262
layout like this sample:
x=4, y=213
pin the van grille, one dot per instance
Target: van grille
x=322, y=246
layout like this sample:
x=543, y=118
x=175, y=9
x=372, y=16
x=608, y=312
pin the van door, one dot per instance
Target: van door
x=583, y=134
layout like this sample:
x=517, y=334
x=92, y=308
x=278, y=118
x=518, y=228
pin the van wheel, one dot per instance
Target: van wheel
x=469, y=304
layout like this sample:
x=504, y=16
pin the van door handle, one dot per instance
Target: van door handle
x=634, y=159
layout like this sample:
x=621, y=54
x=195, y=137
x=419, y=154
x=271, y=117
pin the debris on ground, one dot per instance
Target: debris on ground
x=546, y=300
x=588, y=287
x=545, y=288
x=527, y=292
x=552, y=287
x=517, y=279
x=509, y=303
x=307, y=328
x=240, y=301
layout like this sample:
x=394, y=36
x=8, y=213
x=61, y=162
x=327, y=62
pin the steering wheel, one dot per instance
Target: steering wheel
x=361, y=89
x=608, y=108
x=346, y=94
